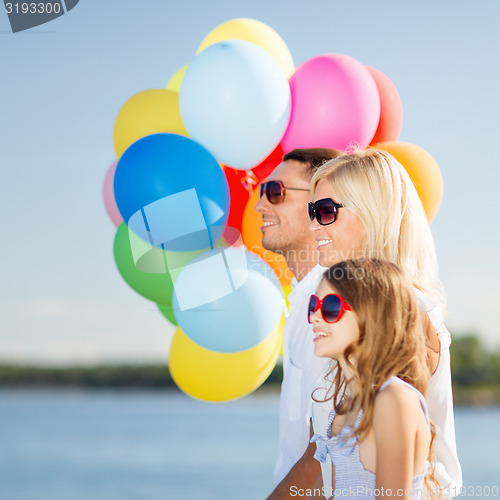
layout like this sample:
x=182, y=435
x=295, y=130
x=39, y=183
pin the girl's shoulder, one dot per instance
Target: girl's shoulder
x=395, y=395
x=398, y=404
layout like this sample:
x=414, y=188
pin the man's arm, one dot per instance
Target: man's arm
x=302, y=476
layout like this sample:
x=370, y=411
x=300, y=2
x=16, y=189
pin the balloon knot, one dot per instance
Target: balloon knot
x=249, y=181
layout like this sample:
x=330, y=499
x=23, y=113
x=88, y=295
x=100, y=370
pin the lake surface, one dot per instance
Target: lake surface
x=110, y=445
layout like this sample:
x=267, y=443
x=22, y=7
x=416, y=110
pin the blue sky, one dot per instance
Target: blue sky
x=62, y=299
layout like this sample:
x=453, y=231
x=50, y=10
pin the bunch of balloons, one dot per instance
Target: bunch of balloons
x=182, y=191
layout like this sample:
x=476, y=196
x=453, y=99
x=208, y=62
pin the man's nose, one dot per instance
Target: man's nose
x=262, y=205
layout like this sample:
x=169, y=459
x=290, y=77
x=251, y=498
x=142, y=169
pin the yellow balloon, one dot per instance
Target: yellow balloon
x=281, y=327
x=149, y=112
x=214, y=376
x=175, y=82
x=286, y=292
x=256, y=32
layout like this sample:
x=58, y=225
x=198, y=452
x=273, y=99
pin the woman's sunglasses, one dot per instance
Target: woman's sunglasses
x=324, y=210
x=332, y=307
x=275, y=191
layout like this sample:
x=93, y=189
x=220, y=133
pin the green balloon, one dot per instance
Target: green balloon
x=168, y=312
x=142, y=266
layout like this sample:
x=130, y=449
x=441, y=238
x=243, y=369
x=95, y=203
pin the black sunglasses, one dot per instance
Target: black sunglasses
x=275, y=191
x=324, y=210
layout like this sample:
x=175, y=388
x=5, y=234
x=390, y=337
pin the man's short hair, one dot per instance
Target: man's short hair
x=313, y=158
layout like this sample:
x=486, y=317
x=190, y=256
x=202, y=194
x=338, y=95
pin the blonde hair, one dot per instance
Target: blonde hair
x=391, y=340
x=377, y=189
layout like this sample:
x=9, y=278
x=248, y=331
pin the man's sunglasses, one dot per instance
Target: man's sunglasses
x=275, y=191
x=332, y=307
x=324, y=210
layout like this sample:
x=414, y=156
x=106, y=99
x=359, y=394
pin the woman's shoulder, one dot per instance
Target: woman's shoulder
x=436, y=317
x=425, y=303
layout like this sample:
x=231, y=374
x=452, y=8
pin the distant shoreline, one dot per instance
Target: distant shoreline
x=130, y=377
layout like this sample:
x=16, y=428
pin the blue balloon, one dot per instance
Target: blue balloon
x=227, y=301
x=170, y=191
x=235, y=100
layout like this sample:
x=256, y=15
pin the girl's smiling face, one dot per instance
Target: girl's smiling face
x=332, y=339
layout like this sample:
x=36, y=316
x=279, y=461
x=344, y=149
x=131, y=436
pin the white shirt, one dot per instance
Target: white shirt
x=440, y=402
x=301, y=371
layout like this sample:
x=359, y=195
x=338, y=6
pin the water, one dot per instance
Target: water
x=478, y=444
x=107, y=445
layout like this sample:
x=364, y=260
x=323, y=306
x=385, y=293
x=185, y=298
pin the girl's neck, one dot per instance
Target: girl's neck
x=353, y=388
x=349, y=376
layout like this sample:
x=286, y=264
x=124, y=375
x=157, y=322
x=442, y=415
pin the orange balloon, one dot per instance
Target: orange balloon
x=423, y=171
x=252, y=237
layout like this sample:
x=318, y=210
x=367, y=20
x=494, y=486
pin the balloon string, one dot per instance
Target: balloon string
x=249, y=181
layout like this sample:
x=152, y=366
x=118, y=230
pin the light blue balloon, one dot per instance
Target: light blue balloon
x=235, y=101
x=227, y=300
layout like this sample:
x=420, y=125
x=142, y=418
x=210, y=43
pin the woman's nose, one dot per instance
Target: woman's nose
x=313, y=225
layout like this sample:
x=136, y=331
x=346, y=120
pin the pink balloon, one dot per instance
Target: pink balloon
x=335, y=103
x=109, y=195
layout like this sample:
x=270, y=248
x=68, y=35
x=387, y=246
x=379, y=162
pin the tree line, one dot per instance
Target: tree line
x=473, y=366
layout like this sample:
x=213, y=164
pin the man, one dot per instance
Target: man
x=285, y=231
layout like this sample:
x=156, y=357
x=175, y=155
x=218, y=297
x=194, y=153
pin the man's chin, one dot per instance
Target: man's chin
x=272, y=247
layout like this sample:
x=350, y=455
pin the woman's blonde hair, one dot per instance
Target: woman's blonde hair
x=378, y=190
x=391, y=340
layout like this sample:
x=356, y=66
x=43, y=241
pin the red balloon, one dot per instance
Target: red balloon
x=243, y=182
x=391, y=108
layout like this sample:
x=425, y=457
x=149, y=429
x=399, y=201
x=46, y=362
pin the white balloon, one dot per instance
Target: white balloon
x=235, y=101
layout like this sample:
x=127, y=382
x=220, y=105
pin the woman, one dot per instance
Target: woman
x=364, y=204
x=378, y=434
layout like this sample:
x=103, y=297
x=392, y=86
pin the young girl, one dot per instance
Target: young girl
x=365, y=317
